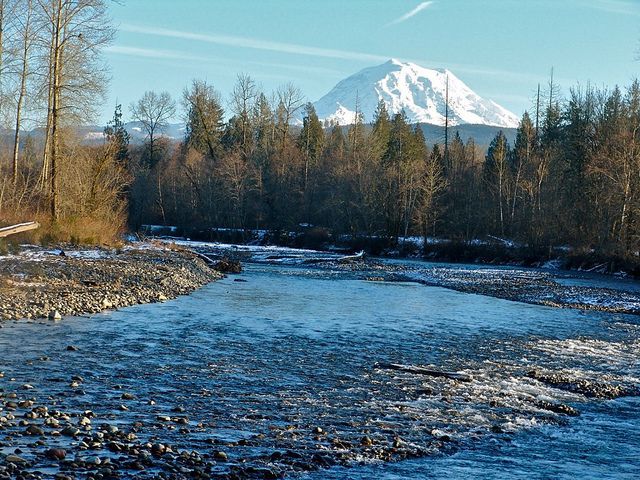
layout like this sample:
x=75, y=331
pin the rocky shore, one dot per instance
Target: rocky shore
x=39, y=283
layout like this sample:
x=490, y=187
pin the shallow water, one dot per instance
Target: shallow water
x=294, y=348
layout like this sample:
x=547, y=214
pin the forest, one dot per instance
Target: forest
x=260, y=160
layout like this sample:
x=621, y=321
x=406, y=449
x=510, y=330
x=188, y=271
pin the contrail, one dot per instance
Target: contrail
x=410, y=14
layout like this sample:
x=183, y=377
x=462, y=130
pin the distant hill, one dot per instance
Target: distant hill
x=481, y=134
x=94, y=133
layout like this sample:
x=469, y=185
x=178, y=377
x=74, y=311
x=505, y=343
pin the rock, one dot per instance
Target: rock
x=586, y=387
x=52, y=422
x=366, y=441
x=70, y=431
x=56, y=454
x=557, y=408
x=127, y=396
x=15, y=459
x=106, y=304
x=321, y=460
x=54, y=315
x=158, y=449
x=227, y=265
x=71, y=348
x=34, y=430
x=114, y=447
x=220, y=456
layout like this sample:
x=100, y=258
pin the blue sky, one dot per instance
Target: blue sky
x=500, y=48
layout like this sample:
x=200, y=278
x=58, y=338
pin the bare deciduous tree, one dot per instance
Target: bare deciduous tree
x=78, y=30
x=27, y=42
x=153, y=111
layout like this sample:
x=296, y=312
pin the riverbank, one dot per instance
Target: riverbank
x=41, y=283
x=487, y=250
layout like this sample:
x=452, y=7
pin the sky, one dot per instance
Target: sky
x=501, y=49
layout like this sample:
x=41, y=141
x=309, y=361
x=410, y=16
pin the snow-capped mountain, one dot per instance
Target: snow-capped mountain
x=420, y=91
x=95, y=133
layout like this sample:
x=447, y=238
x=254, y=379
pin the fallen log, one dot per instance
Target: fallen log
x=352, y=258
x=19, y=228
x=463, y=377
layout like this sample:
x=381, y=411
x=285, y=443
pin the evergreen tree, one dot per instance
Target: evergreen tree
x=205, y=119
x=118, y=137
x=310, y=140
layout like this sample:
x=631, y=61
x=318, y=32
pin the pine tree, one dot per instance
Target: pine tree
x=205, y=119
x=310, y=141
x=117, y=135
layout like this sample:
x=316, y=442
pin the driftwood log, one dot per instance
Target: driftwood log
x=462, y=377
x=19, y=228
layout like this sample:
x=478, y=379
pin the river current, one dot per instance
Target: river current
x=287, y=365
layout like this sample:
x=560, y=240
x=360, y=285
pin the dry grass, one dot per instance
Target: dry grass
x=77, y=231
x=82, y=231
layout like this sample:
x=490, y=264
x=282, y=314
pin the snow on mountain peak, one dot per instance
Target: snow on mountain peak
x=419, y=91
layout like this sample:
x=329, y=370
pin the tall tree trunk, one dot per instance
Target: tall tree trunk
x=57, y=74
x=23, y=92
x=500, y=203
x=622, y=235
x=2, y=22
x=46, y=154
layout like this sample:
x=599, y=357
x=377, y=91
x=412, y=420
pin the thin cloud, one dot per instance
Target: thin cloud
x=153, y=53
x=256, y=44
x=181, y=55
x=410, y=14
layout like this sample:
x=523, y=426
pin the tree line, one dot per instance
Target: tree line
x=571, y=177
x=265, y=161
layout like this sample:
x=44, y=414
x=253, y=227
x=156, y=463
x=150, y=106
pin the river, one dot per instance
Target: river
x=287, y=368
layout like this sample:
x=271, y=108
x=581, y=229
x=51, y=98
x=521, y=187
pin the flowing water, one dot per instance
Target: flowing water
x=287, y=370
